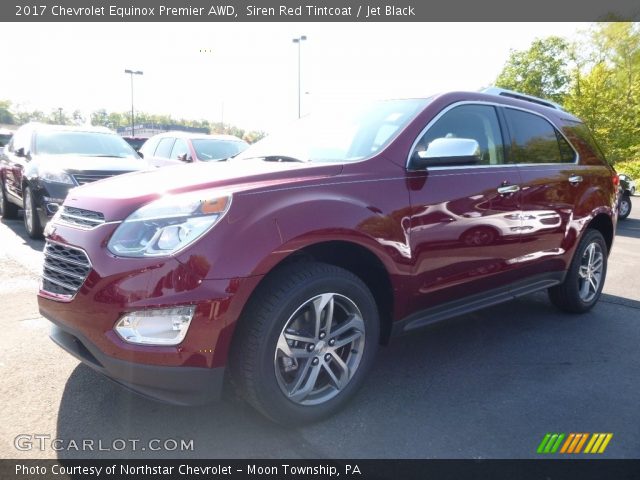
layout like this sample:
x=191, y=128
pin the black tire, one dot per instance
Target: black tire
x=570, y=295
x=624, y=208
x=8, y=210
x=257, y=362
x=31, y=218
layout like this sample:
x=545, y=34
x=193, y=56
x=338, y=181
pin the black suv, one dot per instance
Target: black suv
x=42, y=163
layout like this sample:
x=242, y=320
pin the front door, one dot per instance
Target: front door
x=465, y=208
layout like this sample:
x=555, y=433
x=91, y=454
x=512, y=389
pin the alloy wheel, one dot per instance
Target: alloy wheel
x=319, y=349
x=590, y=272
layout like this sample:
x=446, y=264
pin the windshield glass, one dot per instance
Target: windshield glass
x=212, y=149
x=93, y=144
x=339, y=136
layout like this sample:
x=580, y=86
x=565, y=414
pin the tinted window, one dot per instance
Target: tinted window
x=4, y=139
x=135, y=143
x=216, y=149
x=535, y=140
x=477, y=123
x=582, y=139
x=164, y=148
x=179, y=148
x=62, y=142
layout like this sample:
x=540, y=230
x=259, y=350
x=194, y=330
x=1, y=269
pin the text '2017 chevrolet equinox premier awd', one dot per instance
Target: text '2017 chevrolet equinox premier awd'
x=284, y=268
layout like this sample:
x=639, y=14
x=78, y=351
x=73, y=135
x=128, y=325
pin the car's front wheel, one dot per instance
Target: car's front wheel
x=584, y=280
x=31, y=218
x=305, y=342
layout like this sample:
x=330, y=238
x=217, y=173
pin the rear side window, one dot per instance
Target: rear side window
x=535, y=140
x=164, y=148
x=179, y=148
x=582, y=139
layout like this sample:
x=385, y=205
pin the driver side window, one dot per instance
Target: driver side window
x=465, y=135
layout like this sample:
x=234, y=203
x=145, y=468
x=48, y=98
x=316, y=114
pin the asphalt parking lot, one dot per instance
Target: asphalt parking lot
x=485, y=385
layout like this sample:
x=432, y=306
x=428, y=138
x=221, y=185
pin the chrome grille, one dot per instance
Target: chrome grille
x=81, y=217
x=65, y=269
x=82, y=178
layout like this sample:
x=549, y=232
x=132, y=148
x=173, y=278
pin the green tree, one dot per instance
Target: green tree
x=606, y=91
x=6, y=116
x=99, y=117
x=543, y=70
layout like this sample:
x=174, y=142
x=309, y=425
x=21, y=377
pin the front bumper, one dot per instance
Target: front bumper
x=175, y=385
x=189, y=373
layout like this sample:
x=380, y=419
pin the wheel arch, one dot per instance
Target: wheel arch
x=353, y=257
x=603, y=223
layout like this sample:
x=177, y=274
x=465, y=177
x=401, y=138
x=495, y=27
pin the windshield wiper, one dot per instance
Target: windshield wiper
x=277, y=158
x=109, y=156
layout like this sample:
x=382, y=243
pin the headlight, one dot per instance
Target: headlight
x=163, y=326
x=56, y=176
x=167, y=225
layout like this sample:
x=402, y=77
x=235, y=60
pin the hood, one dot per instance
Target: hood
x=79, y=163
x=117, y=197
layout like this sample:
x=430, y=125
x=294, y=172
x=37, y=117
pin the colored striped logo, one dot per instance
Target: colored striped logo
x=574, y=442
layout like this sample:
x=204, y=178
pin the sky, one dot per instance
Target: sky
x=246, y=74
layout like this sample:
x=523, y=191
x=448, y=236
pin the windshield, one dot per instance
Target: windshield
x=212, y=149
x=338, y=136
x=92, y=144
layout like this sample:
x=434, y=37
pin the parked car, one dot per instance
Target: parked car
x=628, y=182
x=173, y=148
x=627, y=190
x=135, y=142
x=284, y=269
x=42, y=163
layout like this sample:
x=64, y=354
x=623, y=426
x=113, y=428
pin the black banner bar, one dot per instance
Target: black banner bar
x=319, y=469
x=315, y=11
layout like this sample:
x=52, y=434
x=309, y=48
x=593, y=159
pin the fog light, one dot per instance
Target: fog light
x=165, y=326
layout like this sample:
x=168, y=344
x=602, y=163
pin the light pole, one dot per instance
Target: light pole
x=132, y=73
x=299, y=40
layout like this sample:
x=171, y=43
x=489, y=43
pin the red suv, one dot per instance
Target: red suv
x=283, y=269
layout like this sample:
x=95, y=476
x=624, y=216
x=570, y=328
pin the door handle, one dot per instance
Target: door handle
x=508, y=189
x=573, y=179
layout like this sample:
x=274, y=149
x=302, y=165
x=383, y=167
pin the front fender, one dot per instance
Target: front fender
x=263, y=228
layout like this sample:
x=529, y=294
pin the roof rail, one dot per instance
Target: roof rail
x=521, y=96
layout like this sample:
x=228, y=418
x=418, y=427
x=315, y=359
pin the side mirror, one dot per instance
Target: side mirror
x=20, y=153
x=184, y=158
x=447, y=152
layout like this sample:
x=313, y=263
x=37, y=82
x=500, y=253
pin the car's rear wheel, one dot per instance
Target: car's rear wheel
x=585, y=278
x=305, y=342
x=7, y=209
x=31, y=219
x=624, y=208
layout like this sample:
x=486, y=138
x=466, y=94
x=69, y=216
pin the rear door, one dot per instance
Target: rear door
x=465, y=209
x=552, y=184
x=162, y=154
